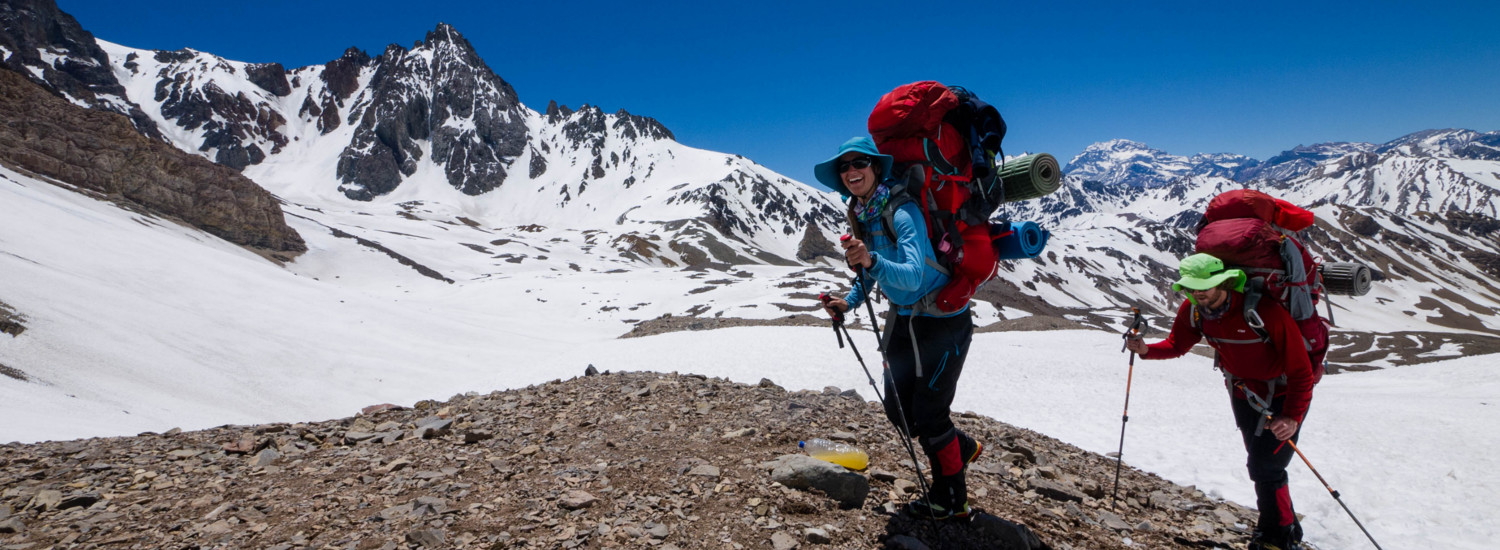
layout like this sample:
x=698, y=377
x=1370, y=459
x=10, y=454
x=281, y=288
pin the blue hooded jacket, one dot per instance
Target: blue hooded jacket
x=904, y=267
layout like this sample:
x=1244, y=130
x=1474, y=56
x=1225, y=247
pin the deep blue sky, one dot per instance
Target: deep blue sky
x=783, y=83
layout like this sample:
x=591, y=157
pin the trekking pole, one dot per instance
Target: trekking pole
x=1330, y=488
x=838, y=323
x=1131, y=331
x=916, y=464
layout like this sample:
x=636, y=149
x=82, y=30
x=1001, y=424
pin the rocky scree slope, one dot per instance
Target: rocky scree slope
x=100, y=152
x=611, y=460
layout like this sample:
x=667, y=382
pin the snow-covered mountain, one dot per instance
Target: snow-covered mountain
x=1419, y=210
x=457, y=240
x=430, y=128
x=418, y=170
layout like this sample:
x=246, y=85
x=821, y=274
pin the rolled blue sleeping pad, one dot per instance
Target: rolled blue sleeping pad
x=1027, y=239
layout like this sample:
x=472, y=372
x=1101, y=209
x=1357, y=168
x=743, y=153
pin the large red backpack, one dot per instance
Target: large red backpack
x=1258, y=233
x=945, y=141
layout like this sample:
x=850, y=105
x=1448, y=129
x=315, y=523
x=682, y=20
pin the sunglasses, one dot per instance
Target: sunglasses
x=858, y=164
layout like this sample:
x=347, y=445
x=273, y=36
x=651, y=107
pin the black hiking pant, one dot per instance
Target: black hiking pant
x=1267, y=461
x=925, y=392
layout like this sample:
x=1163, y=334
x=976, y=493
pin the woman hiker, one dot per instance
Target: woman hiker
x=1267, y=371
x=925, y=350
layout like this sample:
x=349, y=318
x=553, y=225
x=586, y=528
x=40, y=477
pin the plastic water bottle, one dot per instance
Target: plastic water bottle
x=843, y=454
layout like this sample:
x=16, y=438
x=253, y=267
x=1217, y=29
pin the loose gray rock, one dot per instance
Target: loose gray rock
x=426, y=538
x=705, y=470
x=574, y=500
x=805, y=472
x=1056, y=491
x=743, y=432
x=437, y=427
x=816, y=535
x=782, y=541
x=1112, y=521
x=12, y=525
x=264, y=458
x=1006, y=534
x=46, y=500
x=79, y=500
x=475, y=436
x=845, y=437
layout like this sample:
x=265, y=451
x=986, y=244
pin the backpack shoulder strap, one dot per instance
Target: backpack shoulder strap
x=888, y=220
x=1254, y=291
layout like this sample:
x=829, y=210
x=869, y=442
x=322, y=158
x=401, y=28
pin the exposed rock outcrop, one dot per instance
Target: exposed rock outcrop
x=51, y=49
x=101, y=152
x=602, y=461
x=11, y=322
x=814, y=246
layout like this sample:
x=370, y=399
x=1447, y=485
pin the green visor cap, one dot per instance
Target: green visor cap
x=1202, y=272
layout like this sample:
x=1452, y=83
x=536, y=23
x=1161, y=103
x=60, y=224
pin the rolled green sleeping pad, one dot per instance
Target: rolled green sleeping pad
x=1030, y=177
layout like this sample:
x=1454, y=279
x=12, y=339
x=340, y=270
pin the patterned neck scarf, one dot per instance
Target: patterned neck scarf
x=869, y=210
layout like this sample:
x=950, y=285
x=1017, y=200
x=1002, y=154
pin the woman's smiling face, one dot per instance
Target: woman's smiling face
x=859, y=179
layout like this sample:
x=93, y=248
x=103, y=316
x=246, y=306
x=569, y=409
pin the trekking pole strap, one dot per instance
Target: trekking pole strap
x=1258, y=404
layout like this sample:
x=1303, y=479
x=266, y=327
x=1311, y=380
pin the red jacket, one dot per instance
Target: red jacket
x=1243, y=354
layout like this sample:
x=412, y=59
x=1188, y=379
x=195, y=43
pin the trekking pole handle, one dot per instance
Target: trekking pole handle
x=826, y=298
x=1133, y=330
x=838, y=319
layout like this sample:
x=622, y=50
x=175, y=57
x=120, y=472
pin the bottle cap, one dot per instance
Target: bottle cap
x=801, y=444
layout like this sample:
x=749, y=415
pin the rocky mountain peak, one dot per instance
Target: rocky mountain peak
x=1125, y=162
x=634, y=126
x=439, y=92
x=445, y=34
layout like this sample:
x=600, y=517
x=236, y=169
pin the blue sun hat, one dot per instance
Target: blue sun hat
x=827, y=171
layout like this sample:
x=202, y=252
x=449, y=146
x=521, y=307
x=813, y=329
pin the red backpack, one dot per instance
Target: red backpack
x=1256, y=232
x=945, y=141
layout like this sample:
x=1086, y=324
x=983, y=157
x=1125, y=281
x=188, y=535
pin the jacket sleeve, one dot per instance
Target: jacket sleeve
x=904, y=272
x=1182, y=338
x=1286, y=338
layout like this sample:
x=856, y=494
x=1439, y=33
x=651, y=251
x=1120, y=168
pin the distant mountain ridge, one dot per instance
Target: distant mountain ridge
x=1131, y=163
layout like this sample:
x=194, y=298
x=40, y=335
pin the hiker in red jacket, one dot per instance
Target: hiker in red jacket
x=1267, y=371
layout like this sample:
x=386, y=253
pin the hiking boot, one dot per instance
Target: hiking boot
x=1260, y=541
x=969, y=448
x=927, y=510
